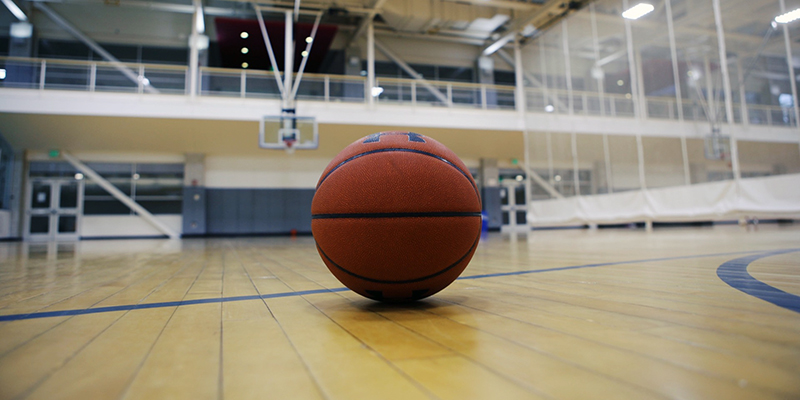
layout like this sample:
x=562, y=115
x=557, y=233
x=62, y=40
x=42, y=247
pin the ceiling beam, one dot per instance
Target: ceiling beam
x=512, y=5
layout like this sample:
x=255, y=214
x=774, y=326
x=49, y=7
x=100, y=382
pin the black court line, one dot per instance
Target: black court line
x=442, y=214
x=66, y=313
x=734, y=273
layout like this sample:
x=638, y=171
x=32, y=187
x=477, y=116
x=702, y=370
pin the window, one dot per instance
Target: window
x=156, y=187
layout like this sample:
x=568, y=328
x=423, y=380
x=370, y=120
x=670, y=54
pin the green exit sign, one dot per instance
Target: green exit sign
x=54, y=153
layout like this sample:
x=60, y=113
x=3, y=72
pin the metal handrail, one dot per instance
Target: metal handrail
x=580, y=102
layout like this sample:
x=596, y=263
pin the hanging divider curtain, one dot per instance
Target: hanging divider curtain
x=769, y=197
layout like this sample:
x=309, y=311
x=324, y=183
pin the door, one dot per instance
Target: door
x=53, y=209
x=513, y=206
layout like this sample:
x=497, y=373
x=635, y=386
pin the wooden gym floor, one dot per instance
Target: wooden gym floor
x=571, y=314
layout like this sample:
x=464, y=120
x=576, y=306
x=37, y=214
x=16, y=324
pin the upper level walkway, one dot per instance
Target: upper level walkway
x=68, y=87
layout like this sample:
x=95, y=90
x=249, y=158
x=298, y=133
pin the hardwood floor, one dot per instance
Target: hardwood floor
x=708, y=313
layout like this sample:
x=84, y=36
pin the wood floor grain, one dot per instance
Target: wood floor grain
x=572, y=314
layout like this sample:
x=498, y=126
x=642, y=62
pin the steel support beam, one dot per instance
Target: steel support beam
x=436, y=92
x=133, y=76
x=366, y=21
x=122, y=197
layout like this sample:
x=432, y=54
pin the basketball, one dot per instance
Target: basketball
x=396, y=216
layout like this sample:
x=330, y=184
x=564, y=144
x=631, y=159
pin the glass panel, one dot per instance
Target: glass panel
x=519, y=195
x=40, y=224
x=40, y=196
x=505, y=218
x=522, y=218
x=68, y=196
x=93, y=189
x=105, y=207
x=162, y=206
x=67, y=223
x=504, y=196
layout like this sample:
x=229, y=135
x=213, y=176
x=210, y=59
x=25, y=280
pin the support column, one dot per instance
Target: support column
x=486, y=77
x=288, y=60
x=194, y=195
x=490, y=192
x=674, y=55
x=370, y=62
x=790, y=64
x=640, y=154
x=632, y=64
x=600, y=74
x=567, y=66
x=726, y=85
x=519, y=80
x=607, y=157
x=575, y=166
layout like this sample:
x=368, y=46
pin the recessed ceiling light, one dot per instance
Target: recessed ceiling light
x=638, y=11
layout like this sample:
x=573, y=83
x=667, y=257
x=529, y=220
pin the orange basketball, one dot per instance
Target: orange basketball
x=396, y=216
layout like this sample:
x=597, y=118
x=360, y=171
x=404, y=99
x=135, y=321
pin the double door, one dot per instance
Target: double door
x=53, y=209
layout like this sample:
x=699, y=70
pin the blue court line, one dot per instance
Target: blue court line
x=67, y=313
x=535, y=271
x=734, y=273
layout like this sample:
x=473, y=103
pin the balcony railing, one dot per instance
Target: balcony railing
x=97, y=76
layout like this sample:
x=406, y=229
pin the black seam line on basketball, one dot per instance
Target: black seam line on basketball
x=391, y=149
x=444, y=214
x=449, y=267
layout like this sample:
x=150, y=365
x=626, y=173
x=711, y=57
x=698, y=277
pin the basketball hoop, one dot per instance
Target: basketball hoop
x=288, y=132
x=718, y=147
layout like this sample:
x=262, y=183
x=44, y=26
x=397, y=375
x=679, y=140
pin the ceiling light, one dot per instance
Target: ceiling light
x=557, y=178
x=519, y=178
x=78, y=176
x=309, y=39
x=376, y=91
x=245, y=50
x=304, y=53
x=620, y=82
x=244, y=35
x=638, y=11
x=549, y=108
x=136, y=176
x=245, y=65
x=788, y=17
x=2, y=73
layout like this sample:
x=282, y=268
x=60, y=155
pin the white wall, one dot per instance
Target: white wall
x=126, y=225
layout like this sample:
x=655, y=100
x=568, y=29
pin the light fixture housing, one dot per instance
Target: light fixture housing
x=638, y=11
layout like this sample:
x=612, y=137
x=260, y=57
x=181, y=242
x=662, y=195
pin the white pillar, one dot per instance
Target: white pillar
x=567, y=65
x=726, y=85
x=288, y=60
x=370, y=62
x=632, y=64
x=674, y=55
x=790, y=64
x=519, y=79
